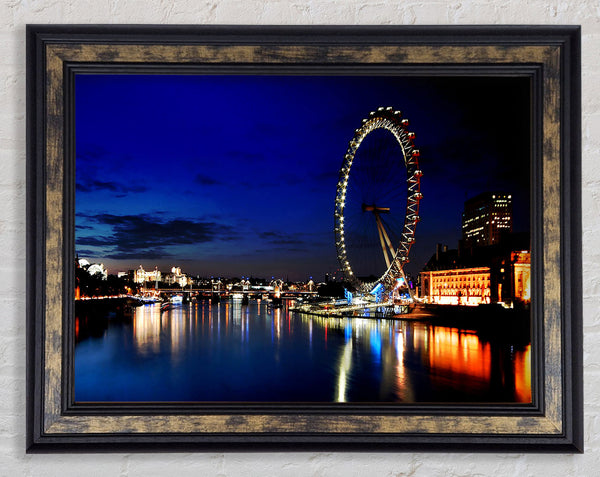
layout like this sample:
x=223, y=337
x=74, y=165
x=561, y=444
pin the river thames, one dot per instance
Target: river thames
x=229, y=352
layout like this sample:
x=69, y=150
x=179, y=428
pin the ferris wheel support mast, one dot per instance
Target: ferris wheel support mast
x=386, y=245
x=384, y=238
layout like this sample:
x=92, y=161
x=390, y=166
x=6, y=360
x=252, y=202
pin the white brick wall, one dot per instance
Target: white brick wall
x=14, y=14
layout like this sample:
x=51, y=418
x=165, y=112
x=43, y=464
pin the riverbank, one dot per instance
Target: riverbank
x=92, y=315
x=102, y=306
x=490, y=321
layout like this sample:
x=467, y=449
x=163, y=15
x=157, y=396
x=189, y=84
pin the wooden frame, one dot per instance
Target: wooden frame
x=549, y=55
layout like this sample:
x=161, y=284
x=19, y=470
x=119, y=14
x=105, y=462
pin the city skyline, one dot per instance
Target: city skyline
x=236, y=175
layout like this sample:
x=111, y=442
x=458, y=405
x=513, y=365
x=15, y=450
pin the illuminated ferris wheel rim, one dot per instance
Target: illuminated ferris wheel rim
x=391, y=120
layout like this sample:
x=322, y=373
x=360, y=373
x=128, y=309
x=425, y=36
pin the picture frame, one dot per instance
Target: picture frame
x=548, y=55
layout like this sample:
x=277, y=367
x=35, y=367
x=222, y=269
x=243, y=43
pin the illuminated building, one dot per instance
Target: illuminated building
x=461, y=286
x=93, y=268
x=521, y=266
x=176, y=276
x=142, y=276
x=486, y=218
x=491, y=275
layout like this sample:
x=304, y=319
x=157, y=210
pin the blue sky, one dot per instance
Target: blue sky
x=236, y=175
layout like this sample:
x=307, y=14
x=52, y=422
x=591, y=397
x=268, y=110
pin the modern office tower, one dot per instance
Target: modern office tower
x=486, y=218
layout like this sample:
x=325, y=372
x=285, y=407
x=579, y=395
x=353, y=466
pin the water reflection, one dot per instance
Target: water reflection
x=147, y=329
x=235, y=352
x=344, y=369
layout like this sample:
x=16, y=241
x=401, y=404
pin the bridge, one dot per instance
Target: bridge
x=223, y=293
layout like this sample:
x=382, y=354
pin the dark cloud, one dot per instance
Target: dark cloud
x=301, y=178
x=329, y=176
x=138, y=235
x=203, y=179
x=280, y=238
x=153, y=254
x=97, y=154
x=91, y=152
x=111, y=186
x=94, y=241
x=249, y=185
x=244, y=156
x=273, y=129
x=81, y=252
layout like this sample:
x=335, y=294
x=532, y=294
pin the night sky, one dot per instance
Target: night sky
x=236, y=175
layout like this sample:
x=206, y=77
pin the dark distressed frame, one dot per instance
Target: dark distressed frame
x=549, y=55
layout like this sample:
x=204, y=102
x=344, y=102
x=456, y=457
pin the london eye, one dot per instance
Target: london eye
x=377, y=203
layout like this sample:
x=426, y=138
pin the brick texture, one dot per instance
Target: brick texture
x=14, y=14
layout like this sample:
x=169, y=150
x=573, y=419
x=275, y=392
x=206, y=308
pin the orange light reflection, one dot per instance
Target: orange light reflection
x=146, y=329
x=459, y=354
x=523, y=375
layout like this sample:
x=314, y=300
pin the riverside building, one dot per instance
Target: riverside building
x=491, y=264
x=485, y=218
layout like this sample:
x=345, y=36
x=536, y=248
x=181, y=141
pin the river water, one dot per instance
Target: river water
x=234, y=353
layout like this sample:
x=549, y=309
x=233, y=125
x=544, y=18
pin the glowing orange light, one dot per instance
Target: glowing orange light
x=523, y=375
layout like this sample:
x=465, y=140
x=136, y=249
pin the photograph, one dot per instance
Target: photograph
x=303, y=238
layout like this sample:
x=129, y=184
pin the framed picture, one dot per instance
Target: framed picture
x=295, y=238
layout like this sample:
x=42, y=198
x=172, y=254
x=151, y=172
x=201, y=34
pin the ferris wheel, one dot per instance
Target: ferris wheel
x=377, y=202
